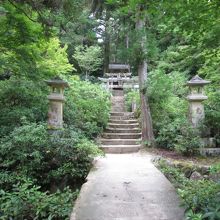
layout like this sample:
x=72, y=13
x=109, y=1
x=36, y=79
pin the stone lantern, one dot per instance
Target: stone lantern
x=56, y=99
x=195, y=98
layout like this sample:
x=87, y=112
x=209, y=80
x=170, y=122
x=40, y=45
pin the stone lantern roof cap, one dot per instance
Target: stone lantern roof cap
x=196, y=80
x=57, y=82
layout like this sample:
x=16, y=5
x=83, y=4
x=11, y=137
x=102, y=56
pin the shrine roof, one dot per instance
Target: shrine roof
x=119, y=67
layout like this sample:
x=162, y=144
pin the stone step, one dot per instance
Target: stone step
x=120, y=149
x=105, y=141
x=121, y=117
x=123, y=121
x=121, y=135
x=118, y=130
x=122, y=113
x=122, y=126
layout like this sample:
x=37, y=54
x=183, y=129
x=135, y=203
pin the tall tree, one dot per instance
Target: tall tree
x=146, y=122
x=136, y=9
x=102, y=10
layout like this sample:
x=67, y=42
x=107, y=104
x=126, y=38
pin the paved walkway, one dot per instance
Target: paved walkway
x=127, y=187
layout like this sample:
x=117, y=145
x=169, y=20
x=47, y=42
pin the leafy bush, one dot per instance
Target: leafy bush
x=26, y=201
x=87, y=106
x=51, y=161
x=168, y=106
x=166, y=96
x=198, y=194
x=19, y=99
x=188, y=142
x=212, y=111
x=210, y=71
x=130, y=97
x=212, y=211
x=190, y=215
x=89, y=59
x=168, y=134
x=201, y=198
x=179, y=135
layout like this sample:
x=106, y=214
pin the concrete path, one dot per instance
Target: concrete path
x=127, y=187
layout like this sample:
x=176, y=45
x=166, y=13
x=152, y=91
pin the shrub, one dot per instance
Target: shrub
x=198, y=194
x=27, y=201
x=168, y=133
x=131, y=96
x=188, y=142
x=212, y=119
x=168, y=106
x=19, y=99
x=32, y=162
x=87, y=107
x=190, y=215
x=53, y=161
x=200, y=198
x=212, y=211
x=179, y=135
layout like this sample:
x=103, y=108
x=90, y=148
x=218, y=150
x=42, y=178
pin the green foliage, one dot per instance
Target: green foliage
x=87, y=106
x=54, y=61
x=198, y=194
x=26, y=201
x=187, y=45
x=21, y=100
x=188, y=142
x=130, y=97
x=25, y=51
x=212, y=211
x=30, y=151
x=168, y=134
x=166, y=96
x=51, y=162
x=210, y=70
x=190, y=215
x=89, y=58
x=201, y=198
x=215, y=168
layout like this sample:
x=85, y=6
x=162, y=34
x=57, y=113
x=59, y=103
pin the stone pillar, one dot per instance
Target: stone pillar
x=195, y=98
x=56, y=100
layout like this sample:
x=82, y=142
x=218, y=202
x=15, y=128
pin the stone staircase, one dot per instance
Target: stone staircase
x=122, y=134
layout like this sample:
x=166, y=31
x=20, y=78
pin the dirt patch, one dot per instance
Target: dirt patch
x=176, y=156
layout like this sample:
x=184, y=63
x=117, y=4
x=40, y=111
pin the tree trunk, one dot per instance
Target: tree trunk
x=146, y=121
x=106, y=42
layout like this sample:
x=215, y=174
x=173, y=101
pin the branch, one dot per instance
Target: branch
x=22, y=11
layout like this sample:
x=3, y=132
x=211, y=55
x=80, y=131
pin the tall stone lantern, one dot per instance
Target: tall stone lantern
x=56, y=100
x=195, y=98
